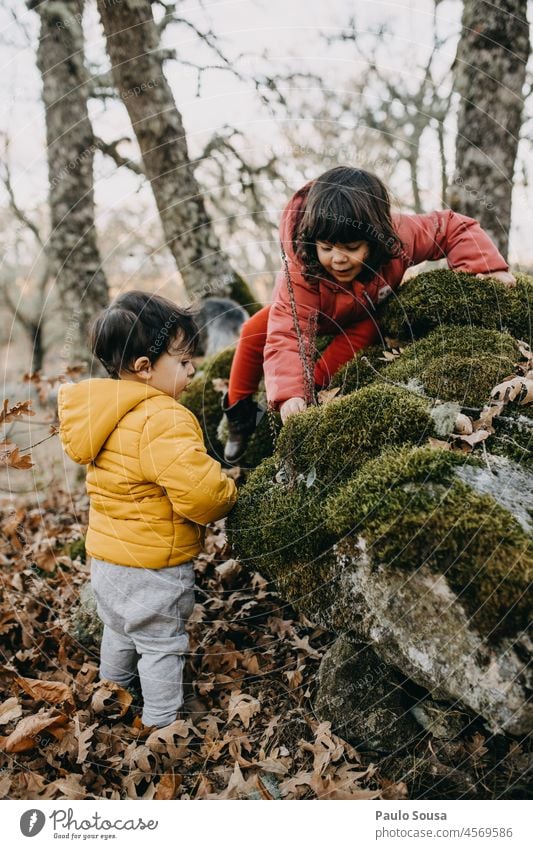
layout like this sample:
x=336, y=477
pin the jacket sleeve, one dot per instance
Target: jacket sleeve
x=174, y=456
x=283, y=368
x=460, y=239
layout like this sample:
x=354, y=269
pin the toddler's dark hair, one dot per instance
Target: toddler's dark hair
x=346, y=205
x=139, y=324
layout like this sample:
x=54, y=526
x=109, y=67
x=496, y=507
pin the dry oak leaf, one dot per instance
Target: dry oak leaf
x=168, y=786
x=83, y=738
x=326, y=749
x=21, y=408
x=438, y=444
x=228, y=571
x=326, y=787
x=28, y=729
x=237, y=786
x=508, y=389
x=10, y=456
x=463, y=424
x=109, y=695
x=244, y=706
x=69, y=787
x=137, y=787
x=488, y=413
x=473, y=438
x=527, y=396
x=327, y=395
x=172, y=740
x=10, y=709
x=220, y=384
x=54, y=692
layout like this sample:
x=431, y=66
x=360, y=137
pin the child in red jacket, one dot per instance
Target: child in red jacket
x=345, y=252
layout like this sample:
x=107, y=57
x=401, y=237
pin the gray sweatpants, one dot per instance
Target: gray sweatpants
x=144, y=612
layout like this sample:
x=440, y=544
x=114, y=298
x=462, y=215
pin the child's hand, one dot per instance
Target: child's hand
x=291, y=407
x=504, y=277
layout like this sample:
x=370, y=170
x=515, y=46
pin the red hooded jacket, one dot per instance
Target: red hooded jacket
x=434, y=236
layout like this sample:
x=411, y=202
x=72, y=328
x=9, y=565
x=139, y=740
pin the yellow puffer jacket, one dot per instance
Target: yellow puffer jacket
x=151, y=483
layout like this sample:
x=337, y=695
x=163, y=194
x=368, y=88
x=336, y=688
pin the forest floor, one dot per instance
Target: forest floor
x=66, y=735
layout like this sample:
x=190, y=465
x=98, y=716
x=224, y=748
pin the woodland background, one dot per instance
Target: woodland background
x=153, y=145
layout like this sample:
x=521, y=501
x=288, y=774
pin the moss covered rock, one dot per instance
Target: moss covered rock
x=360, y=370
x=422, y=554
x=205, y=402
x=456, y=364
x=411, y=509
x=362, y=698
x=241, y=292
x=289, y=490
x=335, y=439
x=291, y=524
x=449, y=297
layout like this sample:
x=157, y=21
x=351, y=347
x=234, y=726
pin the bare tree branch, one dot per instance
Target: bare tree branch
x=110, y=149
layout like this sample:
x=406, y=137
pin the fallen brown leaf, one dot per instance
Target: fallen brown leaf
x=28, y=729
x=54, y=692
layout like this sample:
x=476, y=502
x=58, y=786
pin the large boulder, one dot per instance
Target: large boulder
x=420, y=553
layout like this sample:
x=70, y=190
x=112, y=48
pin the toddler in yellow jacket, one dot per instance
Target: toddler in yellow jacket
x=152, y=489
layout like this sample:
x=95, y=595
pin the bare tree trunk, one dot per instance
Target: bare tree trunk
x=490, y=70
x=133, y=46
x=73, y=251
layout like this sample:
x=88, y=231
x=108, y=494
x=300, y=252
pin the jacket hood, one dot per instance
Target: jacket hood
x=89, y=412
x=290, y=217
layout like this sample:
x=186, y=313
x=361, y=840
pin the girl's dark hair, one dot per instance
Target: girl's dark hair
x=139, y=324
x=346, y=205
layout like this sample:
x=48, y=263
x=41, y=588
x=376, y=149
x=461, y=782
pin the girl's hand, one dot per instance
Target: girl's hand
x=291, y=407
x=504, y=277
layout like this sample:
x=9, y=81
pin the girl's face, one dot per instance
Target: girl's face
x=343, y=262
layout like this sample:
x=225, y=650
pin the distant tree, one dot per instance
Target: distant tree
x=133, y=45
x=72, y=250
x=28, y=312
x=393, y=113
x=490, y=71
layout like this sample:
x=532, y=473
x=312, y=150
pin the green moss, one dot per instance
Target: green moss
x=457, y=363
x=288, y=492
x=205, y=402
x=241, y=292
x=362, y=496
x=84, y=624
x=337, y=438
x=76, y=550
x=514, y=436
x=275, y=523
x=410, y=509
x=359, y=371
x=449, y=297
